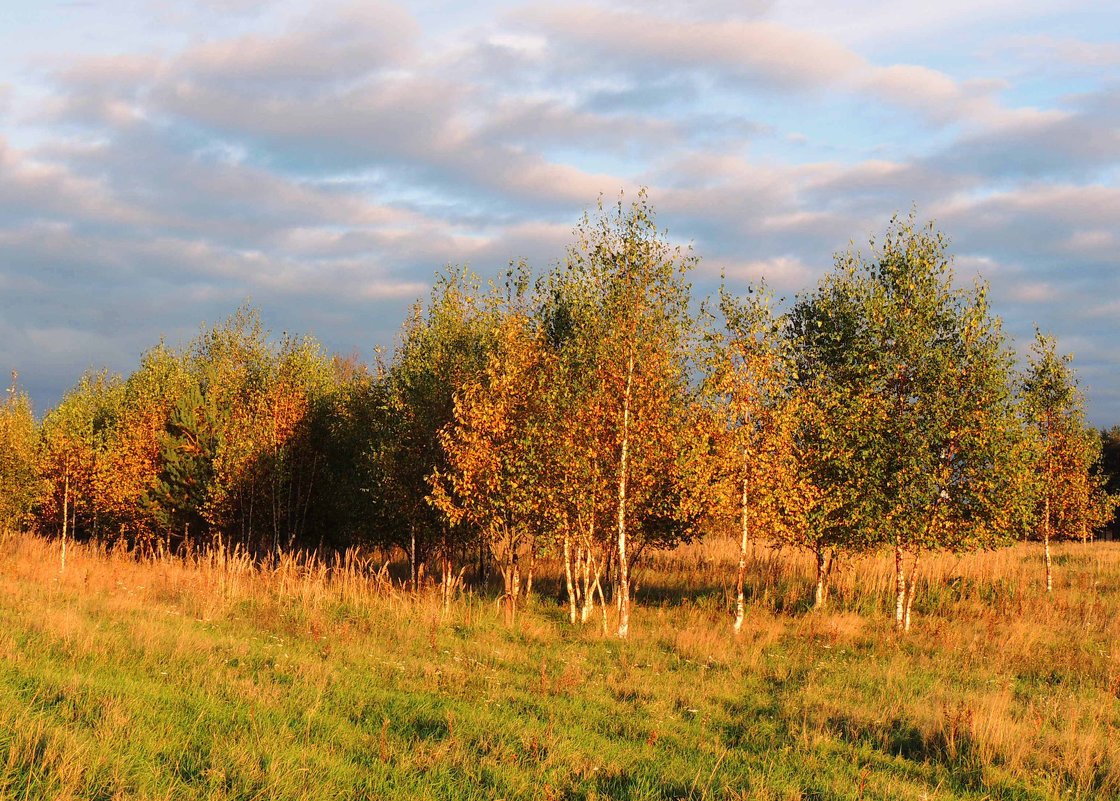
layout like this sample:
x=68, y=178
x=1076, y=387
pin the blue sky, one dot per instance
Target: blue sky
x=160, y=162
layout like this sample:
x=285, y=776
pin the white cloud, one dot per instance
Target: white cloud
x=325, y=160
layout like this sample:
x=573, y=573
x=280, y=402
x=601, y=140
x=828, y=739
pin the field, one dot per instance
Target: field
x=208, y=678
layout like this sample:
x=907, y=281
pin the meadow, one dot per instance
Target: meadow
x=209, y=677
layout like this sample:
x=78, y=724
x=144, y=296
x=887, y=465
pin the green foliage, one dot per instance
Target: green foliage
x=187, y=450
x=916, y=377
x=1072, y=498
x=634, y=334
x=443, y=348
x=589, y=408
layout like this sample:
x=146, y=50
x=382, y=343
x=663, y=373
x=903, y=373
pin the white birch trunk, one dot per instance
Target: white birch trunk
x=900, y=588
x=623, y=560
x=824, y=568
x=740, y=600
x=912, y=586
x=65, y=518
x=568, y=578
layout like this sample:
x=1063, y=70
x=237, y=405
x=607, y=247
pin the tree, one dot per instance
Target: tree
x=75, y=457
x=834, y=422
x=747, y=387
x=19, y=471
x=497, y=474
x=1109, y=473
x=929, y=444
x=634, y=325
x=1071, y=499
x=576, y=430
x=443, y=348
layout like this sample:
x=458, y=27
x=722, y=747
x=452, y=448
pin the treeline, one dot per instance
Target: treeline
x=587, y=414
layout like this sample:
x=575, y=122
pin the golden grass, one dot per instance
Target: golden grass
x=1000, y=688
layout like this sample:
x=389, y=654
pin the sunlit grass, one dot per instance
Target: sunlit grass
x=212, y=678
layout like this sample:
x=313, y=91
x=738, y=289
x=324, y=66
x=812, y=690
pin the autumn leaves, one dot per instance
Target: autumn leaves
x=585, y=416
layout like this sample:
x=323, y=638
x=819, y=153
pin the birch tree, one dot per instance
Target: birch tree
x=19, y=469
x=443, y=347
x=1071, y=496
x=638, y=331
x=497, y=472
x=836, y=419
x=747, y=387
x=932, y=448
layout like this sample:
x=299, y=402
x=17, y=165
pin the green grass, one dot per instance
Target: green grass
x=161, y=680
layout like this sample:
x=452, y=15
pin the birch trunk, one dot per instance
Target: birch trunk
x=588, y=588
x=448, y=581
x=740, y=605
x=412, y=566
x=912, y=584
x=602, y=601
x=900, y=588
x=532, y=569
x=65, y=518
x=595, y=585
x=568, y=578
x=824, y=569
x=1049, y=573
x=623, y=561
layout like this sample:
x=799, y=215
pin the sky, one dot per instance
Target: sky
x=163, y=162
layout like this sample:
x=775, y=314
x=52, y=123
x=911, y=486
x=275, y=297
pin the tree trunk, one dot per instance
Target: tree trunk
x=602, y=601
x=740, y=605
x=900, y=588
x=413, y=567
x=532, y=568
x=1046, y=539
x=824, y=569
x=65, y=518
x=623, y=562
x=589, y=584
x=448, y=581
x=911, y=589
x=1049, y=573
x=568, y=578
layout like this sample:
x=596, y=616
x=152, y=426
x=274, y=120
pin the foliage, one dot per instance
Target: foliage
x=930, y=453
x=590, y=414
x=443, y=348
x=632, y=320
x=1071, y=495
x=747, y=389
x=498, y=461
x=19, y=466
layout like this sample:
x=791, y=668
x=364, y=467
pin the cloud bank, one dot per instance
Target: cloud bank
x=157, y=168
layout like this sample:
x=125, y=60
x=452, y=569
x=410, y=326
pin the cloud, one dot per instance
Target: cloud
x=757, y=51
x=326, y=160
x=784, y=273
x=1046, y=50
x=339, y=45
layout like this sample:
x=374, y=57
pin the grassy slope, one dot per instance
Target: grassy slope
x=169, y=680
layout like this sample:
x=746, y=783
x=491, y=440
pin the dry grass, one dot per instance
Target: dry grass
x=213, y=677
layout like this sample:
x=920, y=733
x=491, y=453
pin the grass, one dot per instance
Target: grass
x=208, y=678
